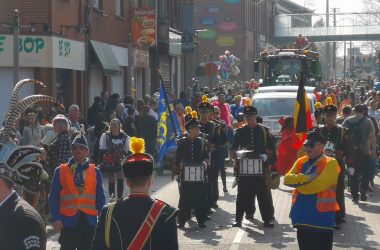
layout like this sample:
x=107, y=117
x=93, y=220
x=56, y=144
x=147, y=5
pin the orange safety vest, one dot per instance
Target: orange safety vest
x=71, y=200
x=326, y=200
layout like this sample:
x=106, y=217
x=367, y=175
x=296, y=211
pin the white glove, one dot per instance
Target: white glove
x=264, y=157
x=204, y=164
x=351, y=171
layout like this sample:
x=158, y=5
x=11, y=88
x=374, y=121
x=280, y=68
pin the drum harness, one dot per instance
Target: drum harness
x=179, y=177
x=236, y=181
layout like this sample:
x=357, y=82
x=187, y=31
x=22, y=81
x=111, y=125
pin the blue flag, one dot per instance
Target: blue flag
x=168, y=125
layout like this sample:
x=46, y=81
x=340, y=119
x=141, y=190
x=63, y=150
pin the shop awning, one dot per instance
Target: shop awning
x=106, y=58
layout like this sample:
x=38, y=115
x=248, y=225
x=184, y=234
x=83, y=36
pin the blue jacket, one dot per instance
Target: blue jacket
x=236, y=109
x=54, y=199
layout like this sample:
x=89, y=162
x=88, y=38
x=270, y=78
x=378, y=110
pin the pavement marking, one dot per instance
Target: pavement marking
x=239, y=235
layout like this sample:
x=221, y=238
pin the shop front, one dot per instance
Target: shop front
x=43, y=58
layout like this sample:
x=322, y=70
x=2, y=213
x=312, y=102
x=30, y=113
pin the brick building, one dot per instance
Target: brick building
x=245, y=27
x=77, y=48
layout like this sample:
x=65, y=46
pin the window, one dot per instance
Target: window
x=98, y=4
x=136, y=3
x=275, y=106
x=119, y=8
x=284, y=71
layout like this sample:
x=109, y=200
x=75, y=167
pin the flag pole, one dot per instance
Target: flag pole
x=167, y=102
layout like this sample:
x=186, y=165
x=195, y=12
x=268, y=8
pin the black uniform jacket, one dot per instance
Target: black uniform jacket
x=335, y=135
x=21, y=226
x=127, y=217
x=191, y=151
x=257, y=138
x=208, y=130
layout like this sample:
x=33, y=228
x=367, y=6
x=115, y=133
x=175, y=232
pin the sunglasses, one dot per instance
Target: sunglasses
x=75, y=147
x=247, y=116
x=310, y=144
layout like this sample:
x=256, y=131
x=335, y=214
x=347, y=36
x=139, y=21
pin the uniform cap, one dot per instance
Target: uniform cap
x=249, y=109
x=139, y=164
x=204, y=105
x=193, y=122
x=315, y=136
x=330, y=108
x=80, y=139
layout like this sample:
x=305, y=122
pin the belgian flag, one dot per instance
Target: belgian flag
x=302, y=115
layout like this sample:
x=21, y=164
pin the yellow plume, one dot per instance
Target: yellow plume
x=248, y=102
x=137, y=145
x=194, y=114
x=328, y=100
x=188, y=109
x=318, y=105
x=204, y=98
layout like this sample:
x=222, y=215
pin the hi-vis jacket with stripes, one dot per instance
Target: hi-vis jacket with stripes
x=314, y=203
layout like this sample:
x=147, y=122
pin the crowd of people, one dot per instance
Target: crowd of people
x=216, y=125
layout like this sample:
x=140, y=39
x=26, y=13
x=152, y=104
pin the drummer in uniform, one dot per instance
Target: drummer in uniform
x=138, y=221
x=192, y=153
x=255, y=138
x=336, y=147
x=208, y=130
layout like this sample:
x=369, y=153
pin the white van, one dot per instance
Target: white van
x=271, y=106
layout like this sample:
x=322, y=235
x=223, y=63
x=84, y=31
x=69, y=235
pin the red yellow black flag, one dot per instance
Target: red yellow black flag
x=302, y=115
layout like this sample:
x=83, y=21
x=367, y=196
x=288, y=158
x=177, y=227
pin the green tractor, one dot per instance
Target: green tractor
x=286, y=66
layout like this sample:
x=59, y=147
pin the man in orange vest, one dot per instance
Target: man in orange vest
x=314, y=204
x=76, y=198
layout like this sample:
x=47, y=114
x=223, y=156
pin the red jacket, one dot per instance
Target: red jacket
x=224, y=112
x=287, y=151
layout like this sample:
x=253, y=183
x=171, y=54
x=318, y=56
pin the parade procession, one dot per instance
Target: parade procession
x=167, y=125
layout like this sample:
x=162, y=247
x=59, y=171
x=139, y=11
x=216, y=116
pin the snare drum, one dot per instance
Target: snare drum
x=193, y=173
x=251, y=166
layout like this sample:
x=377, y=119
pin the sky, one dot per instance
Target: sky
x=343, y=6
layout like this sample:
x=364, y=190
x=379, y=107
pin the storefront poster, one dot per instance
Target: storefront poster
x=144, y=26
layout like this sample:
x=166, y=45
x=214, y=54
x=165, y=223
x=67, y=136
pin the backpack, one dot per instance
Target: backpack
x=355, y=135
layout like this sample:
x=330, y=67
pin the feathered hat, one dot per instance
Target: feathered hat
x=188, y=113
x=318, y=109
x=249, y=109
x=204, y=105
x=19, y=163
x=138, y=164
x=80, y=140
x=330, y=107
x=193, y=122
